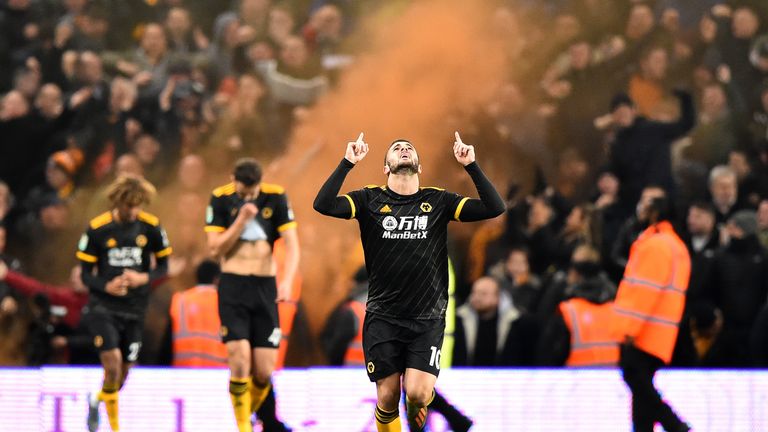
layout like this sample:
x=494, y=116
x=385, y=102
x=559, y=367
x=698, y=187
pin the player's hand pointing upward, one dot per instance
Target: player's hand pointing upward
x=464, y=153
x=356, y=150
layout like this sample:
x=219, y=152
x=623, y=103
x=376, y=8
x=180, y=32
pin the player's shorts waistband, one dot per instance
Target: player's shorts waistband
x=250, y=278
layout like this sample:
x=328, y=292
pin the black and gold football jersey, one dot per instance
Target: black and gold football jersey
x=274, y=215
x=405, y=245
x=113, y=247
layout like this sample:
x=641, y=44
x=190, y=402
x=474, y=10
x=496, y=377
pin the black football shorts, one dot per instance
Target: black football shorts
x=393, y=344
x=248, y=310
x=110, y=331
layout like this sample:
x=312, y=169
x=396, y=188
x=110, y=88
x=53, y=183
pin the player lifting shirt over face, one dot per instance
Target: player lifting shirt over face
x=403, y=228
x=243, y=220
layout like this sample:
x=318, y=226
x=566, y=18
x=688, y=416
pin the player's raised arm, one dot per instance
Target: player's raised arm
x=490, y=203
x=327, y=202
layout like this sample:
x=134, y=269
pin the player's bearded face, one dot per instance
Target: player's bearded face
x=402, y=159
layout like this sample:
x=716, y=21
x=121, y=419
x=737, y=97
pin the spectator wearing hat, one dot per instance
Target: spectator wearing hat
x=578, y=334
x=46, y=213
x=740, y=283
x=60, y=172
x=640, y=150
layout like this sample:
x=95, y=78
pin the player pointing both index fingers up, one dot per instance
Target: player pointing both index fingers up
x=404, y=232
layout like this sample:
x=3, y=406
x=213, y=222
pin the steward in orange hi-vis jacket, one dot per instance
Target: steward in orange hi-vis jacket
x=648, y=308
x=651, y=296
x=195, y=325
x=591, y=344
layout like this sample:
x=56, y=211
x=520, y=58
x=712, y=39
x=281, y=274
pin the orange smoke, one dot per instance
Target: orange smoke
x=424, y=70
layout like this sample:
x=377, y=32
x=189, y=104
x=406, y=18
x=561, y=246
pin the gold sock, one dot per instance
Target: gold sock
x=250, y=391
x=387, y=421
x=258, y=394
x=241, y=403
x=109, y=395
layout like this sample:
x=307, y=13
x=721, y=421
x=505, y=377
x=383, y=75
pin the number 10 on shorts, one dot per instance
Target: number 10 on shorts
x=434, y=359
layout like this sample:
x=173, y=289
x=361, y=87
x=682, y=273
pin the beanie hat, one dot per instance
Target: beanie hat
x=746, y=220
x=68, y=160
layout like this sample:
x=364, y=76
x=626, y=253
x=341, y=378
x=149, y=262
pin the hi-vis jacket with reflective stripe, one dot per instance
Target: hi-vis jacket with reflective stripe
x=651, y=297
x=355, y=355
x=195, y=324
x=592, y=342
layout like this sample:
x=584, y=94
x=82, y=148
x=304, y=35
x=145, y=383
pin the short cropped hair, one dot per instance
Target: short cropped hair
x=247, y=171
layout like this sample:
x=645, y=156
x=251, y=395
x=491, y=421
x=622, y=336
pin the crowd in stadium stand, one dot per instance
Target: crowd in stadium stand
x=611, y=102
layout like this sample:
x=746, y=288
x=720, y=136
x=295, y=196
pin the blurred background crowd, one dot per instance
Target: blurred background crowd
x=606, y=105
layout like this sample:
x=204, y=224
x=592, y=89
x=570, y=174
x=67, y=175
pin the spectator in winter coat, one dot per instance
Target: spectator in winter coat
x=640, y=151
x=489, y=332
x=723, y=187
x=740, y=284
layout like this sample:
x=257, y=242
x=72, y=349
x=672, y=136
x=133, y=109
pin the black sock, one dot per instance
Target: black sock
x=453, y=416
x=267, y=412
